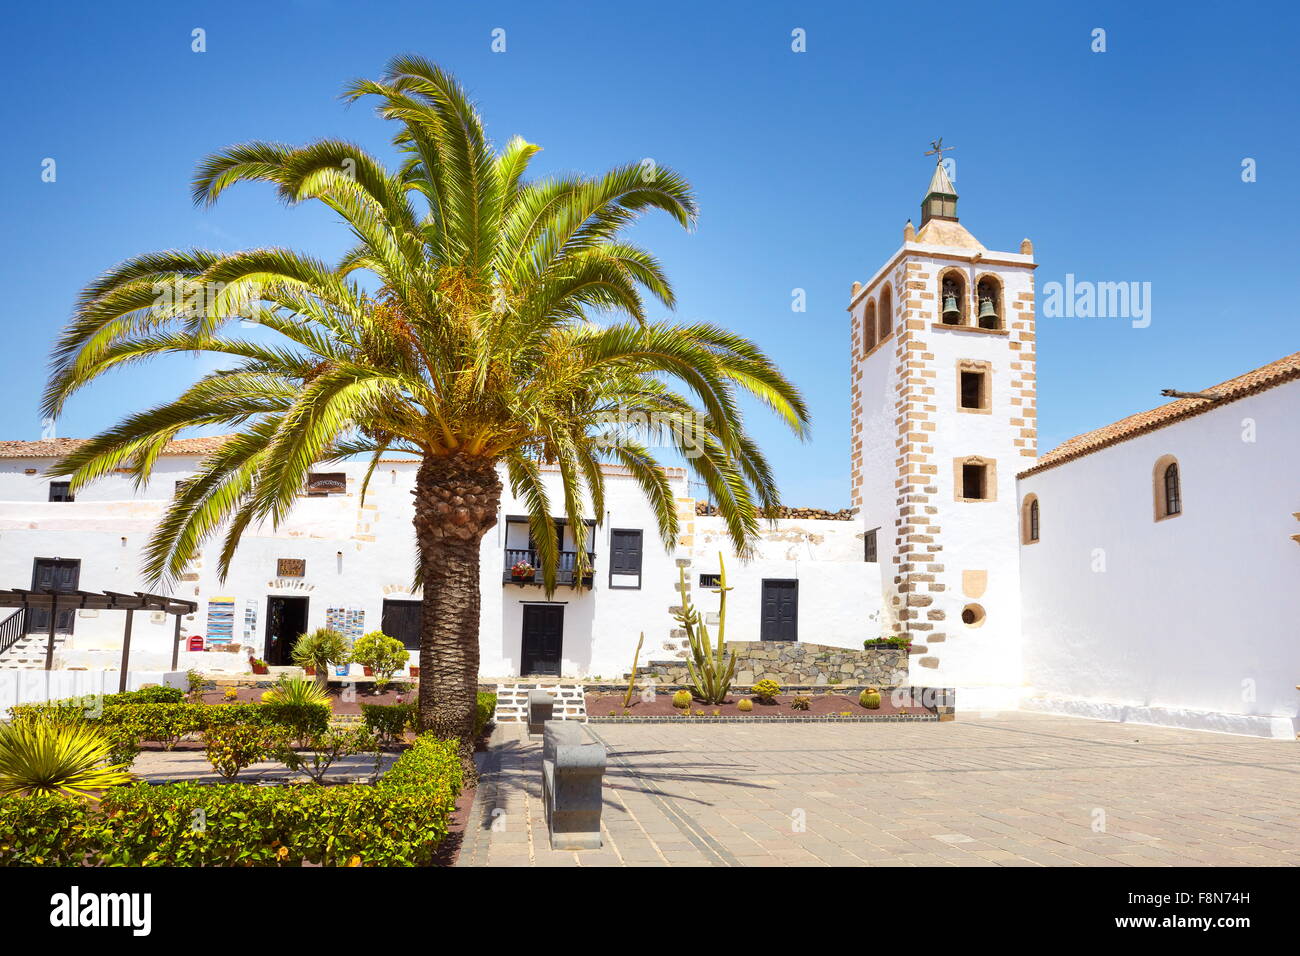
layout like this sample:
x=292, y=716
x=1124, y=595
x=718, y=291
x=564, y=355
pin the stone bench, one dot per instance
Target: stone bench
x=541, y=707
x=573, y=768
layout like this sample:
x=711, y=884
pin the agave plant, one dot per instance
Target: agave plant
x=296, y=691
x=42, y=756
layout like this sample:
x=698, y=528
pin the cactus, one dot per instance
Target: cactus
x=766, y=690
x=631, y=681
x=682, y=700
x=711, y=668
x=801, y=703
x=745, y=705
x=870, y=699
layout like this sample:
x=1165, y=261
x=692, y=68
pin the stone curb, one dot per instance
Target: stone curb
x=828, y=719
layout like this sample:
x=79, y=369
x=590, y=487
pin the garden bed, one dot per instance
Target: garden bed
x=607, y=706
x=338, y=705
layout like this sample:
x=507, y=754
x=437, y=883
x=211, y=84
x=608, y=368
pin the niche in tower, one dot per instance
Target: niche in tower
x=952, y=298
x=988, y=293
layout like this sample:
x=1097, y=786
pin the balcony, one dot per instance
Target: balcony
x=564, y=573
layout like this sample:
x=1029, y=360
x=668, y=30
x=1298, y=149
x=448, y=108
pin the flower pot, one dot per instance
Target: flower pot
x=415, y=672
x=260, y=669
x=367, y=671
x=311, y=671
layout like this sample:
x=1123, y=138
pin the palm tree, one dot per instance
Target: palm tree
x=501, y=326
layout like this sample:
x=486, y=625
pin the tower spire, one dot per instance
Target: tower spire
x=940, y=200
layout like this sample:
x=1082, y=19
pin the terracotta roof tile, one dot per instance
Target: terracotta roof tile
x=1257, y=380
x=58, y=447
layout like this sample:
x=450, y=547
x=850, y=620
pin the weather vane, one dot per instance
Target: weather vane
x=937, y=149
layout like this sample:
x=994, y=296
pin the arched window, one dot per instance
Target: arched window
x=952, y=298
x=1173, y=498
x=988, y=296
x=1029, y=520
x=1167, y=488
x=869, y=327
x=886, y=312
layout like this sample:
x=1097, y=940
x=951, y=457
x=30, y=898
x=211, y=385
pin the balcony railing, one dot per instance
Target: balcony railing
x=564, y=571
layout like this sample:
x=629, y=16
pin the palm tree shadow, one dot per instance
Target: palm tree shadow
x=515, y=766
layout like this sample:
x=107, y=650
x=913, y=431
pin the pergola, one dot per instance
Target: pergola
x=55, y=601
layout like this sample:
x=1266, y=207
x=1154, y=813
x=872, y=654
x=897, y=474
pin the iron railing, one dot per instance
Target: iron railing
x=564, y=571
x=12, y=628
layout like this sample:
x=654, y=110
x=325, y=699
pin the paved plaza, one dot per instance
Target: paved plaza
x=1002, y=790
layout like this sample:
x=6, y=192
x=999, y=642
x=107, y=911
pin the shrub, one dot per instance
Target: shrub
x=194, y=681
x=801, y=703
x=485, y=708
x=428, y=763
x=232, y=748
x=319, y=649
x=898, y=640
x=296, y=691
x=384, y=655
x=324, y=749
x=399, y=822
x=766, y=690
x=146, y=695
x=744, y=705
x=870, y=699
x=682, y=699
x=41, y=756
x=164, y=724
x=231, y=694
x=388, y=722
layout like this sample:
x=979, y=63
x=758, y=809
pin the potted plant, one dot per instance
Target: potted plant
x=522, y=571
x=415, y=670
x=258, y=666
x=381, y=656
x=319, y=649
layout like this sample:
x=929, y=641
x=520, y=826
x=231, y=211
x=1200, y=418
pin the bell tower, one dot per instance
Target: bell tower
x=943, y=416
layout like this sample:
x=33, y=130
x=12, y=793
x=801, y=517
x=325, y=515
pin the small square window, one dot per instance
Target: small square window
x=61, y=491
x=972, y=389
x=869, y=541
x=973, y=478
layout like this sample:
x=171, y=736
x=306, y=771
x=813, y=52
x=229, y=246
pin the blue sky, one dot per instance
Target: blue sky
x=1121, y=166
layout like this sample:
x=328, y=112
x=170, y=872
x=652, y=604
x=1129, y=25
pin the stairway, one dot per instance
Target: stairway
x=28, y=652
x=512, y=699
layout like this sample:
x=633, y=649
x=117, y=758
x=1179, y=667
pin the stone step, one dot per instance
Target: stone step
x=512, y=700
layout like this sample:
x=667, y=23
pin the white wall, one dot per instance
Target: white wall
x=356, y=555
x=35, y=687
x=839, y=593
x=1195, y=620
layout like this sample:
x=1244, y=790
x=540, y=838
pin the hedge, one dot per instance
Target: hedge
x=398, y=822
x=168, y=723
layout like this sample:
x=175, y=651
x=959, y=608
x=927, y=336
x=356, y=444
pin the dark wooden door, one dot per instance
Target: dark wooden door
x=543, y=639
x=402, y=620
x=54, y=574
x=286, y=621
x=780, y=612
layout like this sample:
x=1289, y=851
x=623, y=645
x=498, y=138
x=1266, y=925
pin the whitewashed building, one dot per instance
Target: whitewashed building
x=1145, y=571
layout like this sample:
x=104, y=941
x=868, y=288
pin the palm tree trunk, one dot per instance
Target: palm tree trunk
x=456, y=502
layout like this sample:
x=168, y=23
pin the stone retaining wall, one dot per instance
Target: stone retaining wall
x=795, y=662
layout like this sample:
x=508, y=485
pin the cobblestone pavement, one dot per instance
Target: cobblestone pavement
x=1008, y=790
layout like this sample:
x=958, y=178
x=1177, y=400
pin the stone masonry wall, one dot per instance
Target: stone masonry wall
x=795, y=662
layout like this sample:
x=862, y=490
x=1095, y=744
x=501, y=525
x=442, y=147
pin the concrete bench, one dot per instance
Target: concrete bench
x=573, y=767
x=541, y=707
